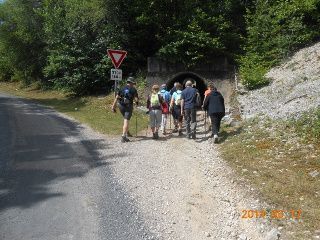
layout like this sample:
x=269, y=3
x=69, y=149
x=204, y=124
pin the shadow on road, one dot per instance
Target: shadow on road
x=39, y=149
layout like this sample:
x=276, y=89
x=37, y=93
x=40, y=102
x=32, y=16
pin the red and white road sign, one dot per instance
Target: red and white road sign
x=117, y=56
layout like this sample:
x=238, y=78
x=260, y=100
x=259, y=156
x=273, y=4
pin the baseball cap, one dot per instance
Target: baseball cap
x=130, y=80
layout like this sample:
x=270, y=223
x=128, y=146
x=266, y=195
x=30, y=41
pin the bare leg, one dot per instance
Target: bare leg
x=125, y=127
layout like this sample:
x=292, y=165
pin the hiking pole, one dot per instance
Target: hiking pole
x=147, y=128
x=205, y=123
x=136, y=125
x=154, y=122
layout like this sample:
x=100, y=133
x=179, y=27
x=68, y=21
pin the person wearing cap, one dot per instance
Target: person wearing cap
x=188, y=108
x=165, y=112
x=125, y=98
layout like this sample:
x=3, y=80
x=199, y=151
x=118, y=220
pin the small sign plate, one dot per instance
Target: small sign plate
x=116, y=74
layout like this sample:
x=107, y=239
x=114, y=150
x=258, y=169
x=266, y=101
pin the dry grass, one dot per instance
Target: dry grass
x=94, y=111
x=278, y=163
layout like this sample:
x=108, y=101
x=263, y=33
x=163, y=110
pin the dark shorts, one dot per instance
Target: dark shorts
x=126, y=110
x=176, y=113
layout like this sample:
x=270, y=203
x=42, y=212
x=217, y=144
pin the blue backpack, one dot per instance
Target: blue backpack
x=166, y=95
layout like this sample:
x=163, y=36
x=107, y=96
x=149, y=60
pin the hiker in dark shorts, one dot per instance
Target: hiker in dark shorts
x=175, y=108
x=214, y=104
x=125, y=98
x=188, y=109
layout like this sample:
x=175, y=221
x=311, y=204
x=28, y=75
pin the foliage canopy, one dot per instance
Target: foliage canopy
x=63, y=43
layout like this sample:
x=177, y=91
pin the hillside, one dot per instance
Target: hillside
x=294, y=88
x=276, y=148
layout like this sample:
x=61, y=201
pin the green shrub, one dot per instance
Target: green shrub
x=275, y=29
x=252, y=72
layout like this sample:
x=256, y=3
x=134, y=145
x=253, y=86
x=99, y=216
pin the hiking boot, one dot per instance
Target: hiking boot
x=193, y=136
x=156, y=135
x=175, y=130
x=153, y=135
x=124, y=139
x=215, y=138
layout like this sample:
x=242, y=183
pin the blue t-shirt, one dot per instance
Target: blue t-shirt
x=166, y=95
x=175, y=95
x=189, y=97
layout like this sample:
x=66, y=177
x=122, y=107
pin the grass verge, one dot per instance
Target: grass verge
x=278, y=159
x=92, y=110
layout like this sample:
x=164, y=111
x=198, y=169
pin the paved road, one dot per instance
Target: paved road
x=53, y=182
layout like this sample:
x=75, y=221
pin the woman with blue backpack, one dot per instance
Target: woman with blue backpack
x=175, y=108
x=165, y=112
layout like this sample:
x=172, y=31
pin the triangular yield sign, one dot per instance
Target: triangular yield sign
x=117, y=57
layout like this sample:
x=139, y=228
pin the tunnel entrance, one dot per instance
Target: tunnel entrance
x=182, y=78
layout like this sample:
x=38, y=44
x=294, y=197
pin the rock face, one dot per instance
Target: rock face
x=294, y=88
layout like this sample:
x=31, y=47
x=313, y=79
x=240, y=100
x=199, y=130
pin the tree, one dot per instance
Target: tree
x=77, y=40
x=21, y=40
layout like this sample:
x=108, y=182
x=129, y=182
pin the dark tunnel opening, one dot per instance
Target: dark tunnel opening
x=183, y=77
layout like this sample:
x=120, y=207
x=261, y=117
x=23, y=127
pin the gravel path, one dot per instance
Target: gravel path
x=183, y=190
x=84, y=185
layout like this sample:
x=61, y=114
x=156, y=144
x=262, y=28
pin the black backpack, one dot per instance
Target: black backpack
x=197, y=100
x=126, y=96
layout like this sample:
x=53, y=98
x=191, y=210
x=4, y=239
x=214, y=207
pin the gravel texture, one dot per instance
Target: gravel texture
x=182, y=189
x=294, y=88
x=171, y=188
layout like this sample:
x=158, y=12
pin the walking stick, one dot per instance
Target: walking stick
x=155, y=122
x=205, y=123
x=147, y=128
x=136, y=125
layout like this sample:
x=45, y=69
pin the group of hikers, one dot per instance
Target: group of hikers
x=181, y=101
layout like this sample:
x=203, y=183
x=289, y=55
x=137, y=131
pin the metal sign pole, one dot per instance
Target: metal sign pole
x=115, y=87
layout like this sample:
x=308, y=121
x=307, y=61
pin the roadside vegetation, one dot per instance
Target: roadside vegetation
x=92, y=110
x=281, y=159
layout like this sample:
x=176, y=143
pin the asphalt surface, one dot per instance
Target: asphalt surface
x=54, y=183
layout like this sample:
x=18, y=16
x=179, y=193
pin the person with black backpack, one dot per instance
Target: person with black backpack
x=125, y=98
x=214, y=104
